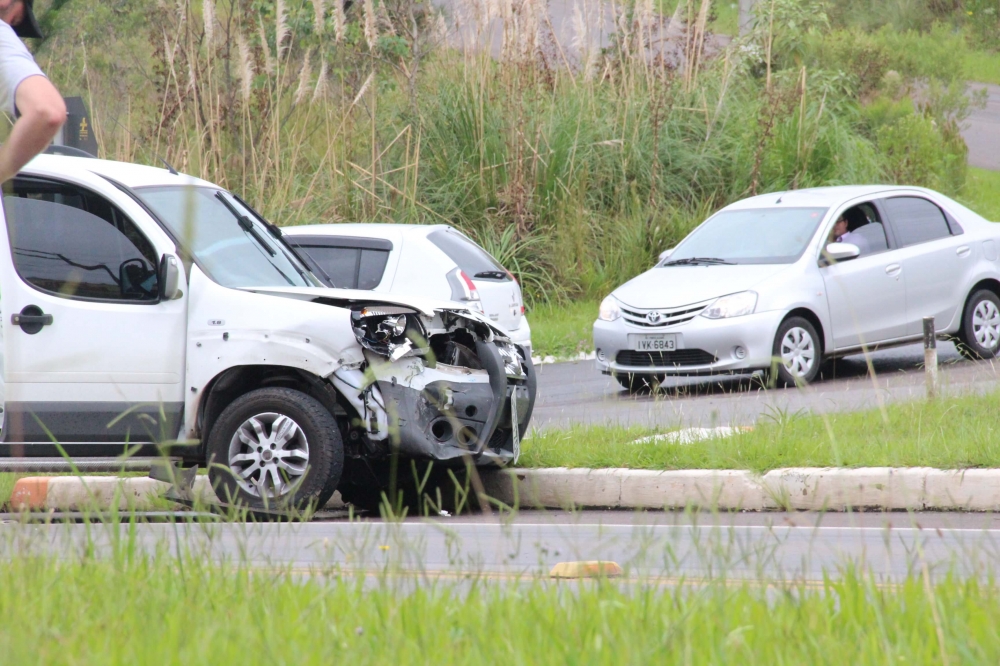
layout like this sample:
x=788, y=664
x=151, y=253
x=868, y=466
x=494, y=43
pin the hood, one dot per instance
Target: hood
x=427, y=306
x=673, y=286
x=347, y=297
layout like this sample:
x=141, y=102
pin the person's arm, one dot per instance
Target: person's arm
x=42, y=112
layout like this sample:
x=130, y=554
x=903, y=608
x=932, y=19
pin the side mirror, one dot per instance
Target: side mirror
x=137, y=280
x=170, y=278
x=835, y=252
x=666, y=253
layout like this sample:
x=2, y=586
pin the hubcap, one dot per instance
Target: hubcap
x=268, y=454
x=986, y=324
x=798, y=351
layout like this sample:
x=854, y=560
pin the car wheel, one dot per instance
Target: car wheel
x=796, y=355
x=275, y=448
x=636, y=383
x=979, y=337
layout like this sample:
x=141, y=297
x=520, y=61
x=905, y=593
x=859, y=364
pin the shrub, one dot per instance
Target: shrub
x=918, y=152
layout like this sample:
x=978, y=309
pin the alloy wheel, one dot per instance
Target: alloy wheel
x=798, y=351
x=268, y=454
x=986, y=324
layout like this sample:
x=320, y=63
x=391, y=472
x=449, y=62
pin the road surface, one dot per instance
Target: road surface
x=575, y=393
x=982, y=130
x=658, y=547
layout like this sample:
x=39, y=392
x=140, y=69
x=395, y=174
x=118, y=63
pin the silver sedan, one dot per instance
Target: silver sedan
x=780, y=282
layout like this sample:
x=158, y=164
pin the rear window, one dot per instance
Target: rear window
x=916, y=220
x=472, y=259
x=347, y=267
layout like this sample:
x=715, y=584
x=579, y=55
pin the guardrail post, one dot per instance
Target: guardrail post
x=930, y=358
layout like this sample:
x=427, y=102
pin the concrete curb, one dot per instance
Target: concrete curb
x=800, y=488
x=812, y=489
x=98, y=493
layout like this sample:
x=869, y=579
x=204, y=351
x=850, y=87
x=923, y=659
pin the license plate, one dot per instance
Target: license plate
x=663, y=342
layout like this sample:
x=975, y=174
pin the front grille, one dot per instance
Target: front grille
x=667, y=316
x=638, y=359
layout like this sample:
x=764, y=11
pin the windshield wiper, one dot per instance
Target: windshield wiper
x=295, y=259
x=491, y=275
x=246, y=224
x=692, y=261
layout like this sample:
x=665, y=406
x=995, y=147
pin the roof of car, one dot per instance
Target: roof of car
x=369, y=229
x=821, y=196
x=126, y=173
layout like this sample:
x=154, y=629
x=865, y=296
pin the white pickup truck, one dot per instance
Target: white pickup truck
x=149, y=314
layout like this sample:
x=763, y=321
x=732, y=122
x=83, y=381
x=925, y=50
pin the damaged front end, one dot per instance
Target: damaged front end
x=438, y=387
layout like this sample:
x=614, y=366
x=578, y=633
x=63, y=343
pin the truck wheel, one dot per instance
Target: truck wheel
x=275, y=448
x=979, y=337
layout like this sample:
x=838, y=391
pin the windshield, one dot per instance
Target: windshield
x=754, y=236
x=227, y=240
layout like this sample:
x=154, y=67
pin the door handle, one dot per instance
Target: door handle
x=963, y=251
x=31, y=319
x=893, y=269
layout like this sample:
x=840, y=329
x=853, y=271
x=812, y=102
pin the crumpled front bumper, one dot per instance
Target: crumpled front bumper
x=448, y=413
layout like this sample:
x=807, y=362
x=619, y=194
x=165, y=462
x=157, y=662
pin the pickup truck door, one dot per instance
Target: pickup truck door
x=92, y=358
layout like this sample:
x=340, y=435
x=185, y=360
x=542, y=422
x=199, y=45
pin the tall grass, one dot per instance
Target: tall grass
x=130, y=607
x=577, y=166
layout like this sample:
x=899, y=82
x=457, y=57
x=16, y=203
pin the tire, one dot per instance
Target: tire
x=636, y=383
x=979, y=336
x=797, y=353
x=258, y=418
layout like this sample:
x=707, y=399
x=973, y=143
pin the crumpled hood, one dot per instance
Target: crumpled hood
x=673, y=286
x=426, y=306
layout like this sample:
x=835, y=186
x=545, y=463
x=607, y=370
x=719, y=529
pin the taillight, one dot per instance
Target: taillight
x=472, y=294
x=512, y=276
x=464, y=289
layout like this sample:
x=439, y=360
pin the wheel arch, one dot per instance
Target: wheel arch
x=991, y=284
x=239, y=380
x=813, y=319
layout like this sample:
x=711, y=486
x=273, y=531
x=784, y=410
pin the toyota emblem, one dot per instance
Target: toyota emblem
x=654, y=318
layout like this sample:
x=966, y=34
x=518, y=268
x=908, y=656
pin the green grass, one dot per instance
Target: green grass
x=957, y=432
x=727, y=14
x=562, y=330
x=132, y=609
x=982, y=193
x=982, y=66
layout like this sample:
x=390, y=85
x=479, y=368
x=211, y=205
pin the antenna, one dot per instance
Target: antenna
x=167, y=164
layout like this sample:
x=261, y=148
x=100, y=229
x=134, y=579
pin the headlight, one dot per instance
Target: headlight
x=610, y=309
x=384, y=329
x=733, y=305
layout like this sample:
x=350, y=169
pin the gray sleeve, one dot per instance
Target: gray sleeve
x=16, y=64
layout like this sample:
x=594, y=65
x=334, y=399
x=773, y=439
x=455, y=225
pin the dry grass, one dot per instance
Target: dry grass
x=582, y=163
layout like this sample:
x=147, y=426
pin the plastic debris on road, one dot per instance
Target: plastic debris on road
x=592, y=569
x=692, y=435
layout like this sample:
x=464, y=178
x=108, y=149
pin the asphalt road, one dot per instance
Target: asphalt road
x=982, y=130
x=651, y=547
x=576, y=393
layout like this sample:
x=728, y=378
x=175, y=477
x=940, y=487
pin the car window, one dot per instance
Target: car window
x=916, y=220
x=751, y=236
x=864, y=229
x=72, y=242
x=233, y=248
x=348, y=267
x=468, y=256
